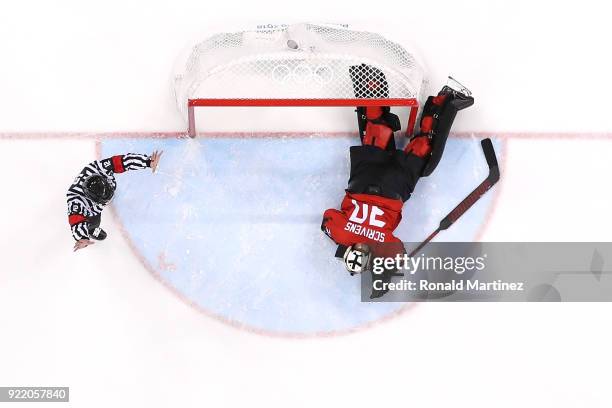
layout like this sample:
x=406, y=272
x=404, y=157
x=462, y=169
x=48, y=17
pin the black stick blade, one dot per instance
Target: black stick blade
x=489, y=153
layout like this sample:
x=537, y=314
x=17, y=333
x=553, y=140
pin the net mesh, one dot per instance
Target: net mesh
x=302, y=61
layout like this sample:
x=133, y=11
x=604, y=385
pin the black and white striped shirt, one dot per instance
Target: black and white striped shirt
x=81, y=208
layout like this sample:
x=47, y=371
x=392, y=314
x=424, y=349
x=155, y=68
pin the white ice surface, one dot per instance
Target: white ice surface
x=97, y=320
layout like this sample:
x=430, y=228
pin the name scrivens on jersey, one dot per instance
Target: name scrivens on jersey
x=81, y=208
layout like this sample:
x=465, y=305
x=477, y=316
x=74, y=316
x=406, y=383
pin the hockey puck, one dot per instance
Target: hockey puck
x=292, y=44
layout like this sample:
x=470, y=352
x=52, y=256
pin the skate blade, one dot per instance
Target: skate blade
x=458, y=86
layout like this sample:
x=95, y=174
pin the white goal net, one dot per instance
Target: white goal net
x=296, y=65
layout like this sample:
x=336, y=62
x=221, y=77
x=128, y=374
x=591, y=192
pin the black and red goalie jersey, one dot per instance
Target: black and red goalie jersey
x=363, y=218
x=382, y=177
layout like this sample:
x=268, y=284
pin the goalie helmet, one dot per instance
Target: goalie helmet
x=99, y=189
x=357, y=258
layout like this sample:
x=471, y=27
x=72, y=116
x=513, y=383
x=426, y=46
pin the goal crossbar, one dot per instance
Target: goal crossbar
x=412, y=103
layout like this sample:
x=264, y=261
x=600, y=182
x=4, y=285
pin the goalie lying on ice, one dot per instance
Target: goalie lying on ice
x=94, y=188
x=383, y=177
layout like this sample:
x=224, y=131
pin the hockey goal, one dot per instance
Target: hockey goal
x=297, y=65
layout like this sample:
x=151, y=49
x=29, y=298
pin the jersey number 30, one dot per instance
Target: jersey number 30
x=365, y=211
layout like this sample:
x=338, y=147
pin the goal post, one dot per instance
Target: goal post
x=302, y=65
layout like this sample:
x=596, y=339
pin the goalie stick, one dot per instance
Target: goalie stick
x=470, y=200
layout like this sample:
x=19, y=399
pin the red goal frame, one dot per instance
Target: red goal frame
x=412, y=103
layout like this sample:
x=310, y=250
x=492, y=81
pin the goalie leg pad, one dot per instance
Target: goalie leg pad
x=376, y=126
x=438, y=135
x=431, y=112
x=438, y=116
x=382, y=114
x=377, y=135
x=419, y=146
x=373, y=112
